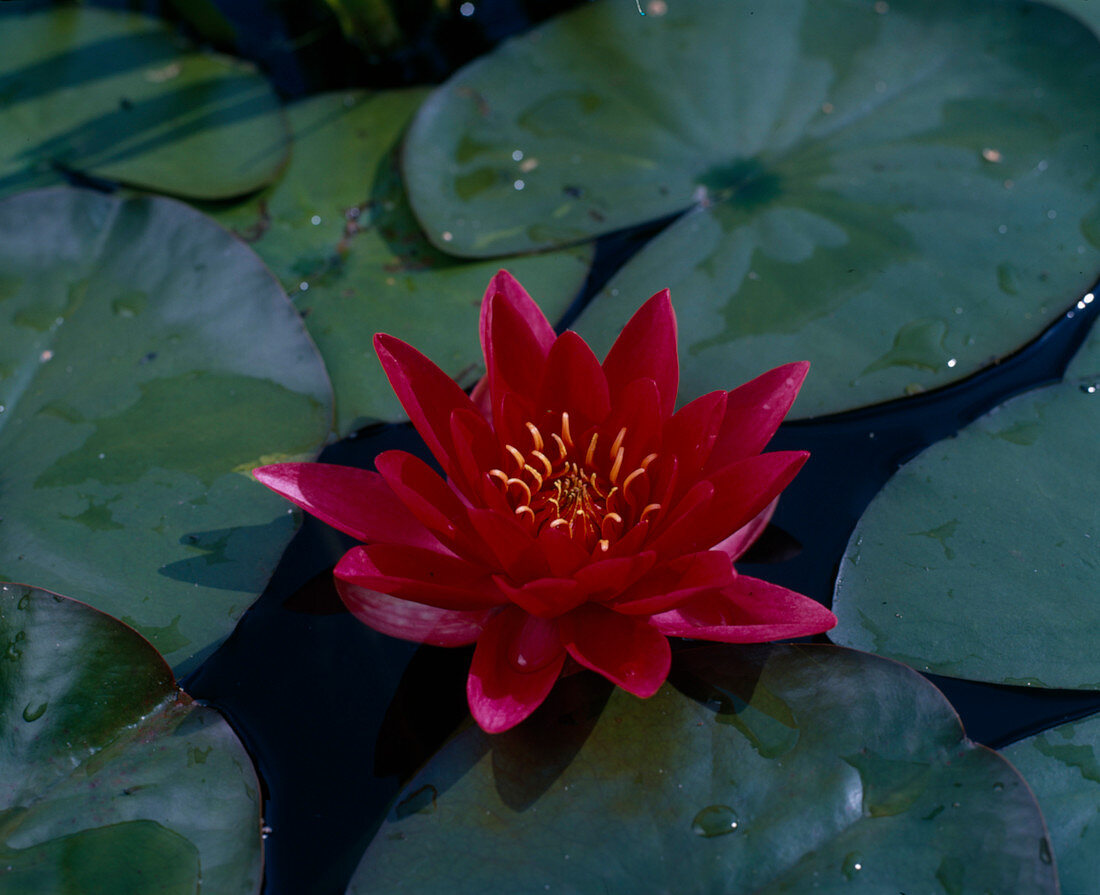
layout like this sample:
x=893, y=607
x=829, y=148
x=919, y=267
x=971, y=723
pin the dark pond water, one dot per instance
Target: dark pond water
x=336, y=715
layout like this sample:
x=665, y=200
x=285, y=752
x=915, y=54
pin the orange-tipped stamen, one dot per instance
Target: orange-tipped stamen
x=618, y=465
x=535, y=474
x=500, y=475
x=516, y=455
x=565, y=430
x=525, y=511
x=547, y=466
x=617, y=443
x=536, y=436
x=563, y=451
x=591, y=455
x=523, y=487
x=649, y=508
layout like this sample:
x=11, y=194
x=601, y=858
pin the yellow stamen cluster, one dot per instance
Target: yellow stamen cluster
x=583, y=493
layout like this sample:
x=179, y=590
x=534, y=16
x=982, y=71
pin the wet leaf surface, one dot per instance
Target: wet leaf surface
x=148, y=361
x=760, y=769
x=111, y=779
x=899, y=192
x=337, y=231
x=118, y=96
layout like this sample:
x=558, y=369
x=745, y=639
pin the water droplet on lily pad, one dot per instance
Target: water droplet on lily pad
x=714, y=820
x=853, y=864
x=33, y=714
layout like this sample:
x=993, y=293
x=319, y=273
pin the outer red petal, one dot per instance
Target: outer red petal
x=741, y=491
x=674, y=583
x=737, y=543
x=420, y=575
x=692, y=431
x=431, y=500
x=544, y=597
x=573, y=381
x=747, y=611
x=355, y=501
x=646, y=349
x=625, y=650
x=428, y=395
x=412, y=621
x=500, y=695
x=515, y=337
x=753, y=413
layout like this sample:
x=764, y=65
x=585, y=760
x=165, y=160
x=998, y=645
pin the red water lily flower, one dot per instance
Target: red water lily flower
x=580, y=517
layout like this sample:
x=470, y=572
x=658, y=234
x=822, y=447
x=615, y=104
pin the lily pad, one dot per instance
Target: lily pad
x=1062, y=769
x=979, y=557
x=337, y=231
x=118, y=96
x=148, y=360
x=1087, y=10
x=775, y=769
x=111, y=779
x=899, y=192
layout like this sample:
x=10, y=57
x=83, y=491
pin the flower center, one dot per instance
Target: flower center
x=585, y=493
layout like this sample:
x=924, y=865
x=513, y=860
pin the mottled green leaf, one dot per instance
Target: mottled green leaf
x=116, y=95
x=148, y=361
x=111, y=779
x=774, y=769
x=1062, y=769
x=979, y=557
x=899, y=192
x=337, y=231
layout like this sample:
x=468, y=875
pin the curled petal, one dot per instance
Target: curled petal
x=625, y=650
x=355, y=501
x=428, y=395
x=412, y=621
x=544, y=597
x=741, y=491
x=446, y=582
x=747, y=611
x=433, y=502
x=753, y=413
x=682, y=579
x=646, y=349
x=500, y=694
x=515, y=337
x=737, y=543
x=574, y=381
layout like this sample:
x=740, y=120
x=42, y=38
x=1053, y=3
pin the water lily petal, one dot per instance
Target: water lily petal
x=428, y=395
x=355, y=501
x=646, y=349
x=544, y=597
x=673, y=583
x=747, y=611
x=515, y=548
x=737, y=543
x=433, y=502
x=476, y=450
x=625, y=650
x=638, y=410
x=501, y=696
x=607, y=578
x=753, y=413
x=573, y=381
x=515, y=337
x=412, y=621
x=741, y=491
x=692, y=430
x=446, y=582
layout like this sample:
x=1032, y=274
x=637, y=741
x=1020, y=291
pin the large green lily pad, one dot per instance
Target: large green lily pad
x=775, y=769
x=148, y=360
x=899, y=192
x=337, y=231
x=1062, y=769
x=1087, y=10
x=116, y=95
x=111, y=779
x=979, y=557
